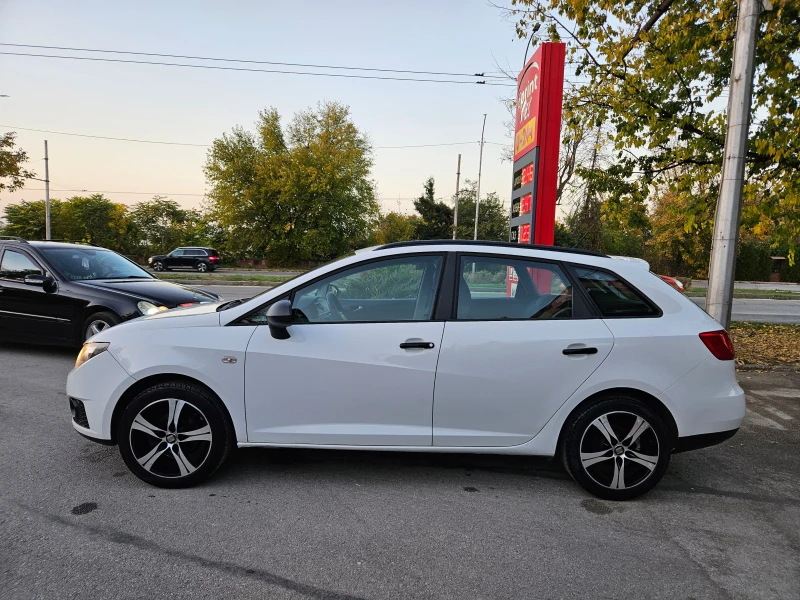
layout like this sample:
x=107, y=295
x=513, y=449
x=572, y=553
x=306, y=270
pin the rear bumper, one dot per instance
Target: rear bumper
x=704, y=440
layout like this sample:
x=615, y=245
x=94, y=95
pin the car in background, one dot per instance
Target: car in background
x=199, y=258
x=65, y=293
x=533, y=350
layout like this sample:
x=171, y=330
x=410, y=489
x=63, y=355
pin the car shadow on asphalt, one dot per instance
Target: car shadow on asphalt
x=36, y=350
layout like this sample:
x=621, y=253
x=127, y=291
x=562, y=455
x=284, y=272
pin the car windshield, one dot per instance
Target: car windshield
x=85, y=264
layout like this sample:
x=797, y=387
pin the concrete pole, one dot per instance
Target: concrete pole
x=455, y=211
x=478, y=191
x=729, y=206
x=46, y=194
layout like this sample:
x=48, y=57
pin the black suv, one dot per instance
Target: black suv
x=186, y=257
x=63, y=293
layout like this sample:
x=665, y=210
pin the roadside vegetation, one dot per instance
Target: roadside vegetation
x=768, y=344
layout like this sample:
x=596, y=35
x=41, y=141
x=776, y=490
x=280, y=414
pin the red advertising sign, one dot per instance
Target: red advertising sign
x=528, y=92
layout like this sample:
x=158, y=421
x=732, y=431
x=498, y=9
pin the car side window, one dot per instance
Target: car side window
x=401, y=289
x=177, y=253
x=612, y=296
x=195, y=253
x=16, y=266
x=491, y=288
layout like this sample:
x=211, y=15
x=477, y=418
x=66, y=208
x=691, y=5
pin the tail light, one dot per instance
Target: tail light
x=719, y=344
x=213, y=258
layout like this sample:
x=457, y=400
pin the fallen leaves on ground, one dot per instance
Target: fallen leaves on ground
x=766, y=343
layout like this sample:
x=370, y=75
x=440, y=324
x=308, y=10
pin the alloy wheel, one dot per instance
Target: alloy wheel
x=158, y=266
x=619, y=450
x=96, y=327
x=202, y=267
x=170, y=438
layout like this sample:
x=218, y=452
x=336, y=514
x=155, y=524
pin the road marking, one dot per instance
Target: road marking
x=753, y=418
x=779, y=413
x=779, y=393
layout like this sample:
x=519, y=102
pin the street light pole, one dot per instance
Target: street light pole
x=478, y=190
x=455, y=211
x=719, y=297
x=46, y=194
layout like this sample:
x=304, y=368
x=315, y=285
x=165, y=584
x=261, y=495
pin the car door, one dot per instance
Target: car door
x=175, y=259
x=27, y=310
x=358, y=368
x=521, y=343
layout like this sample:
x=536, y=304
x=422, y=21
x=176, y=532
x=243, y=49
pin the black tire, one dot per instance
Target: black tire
x=166, y=466
x=612, y=461
x=202, y=267
x=98, y=322
x=158, y=266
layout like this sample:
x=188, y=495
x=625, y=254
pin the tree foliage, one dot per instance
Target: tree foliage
x=436, y=221
x=296, y=193
x=493, y=218
x=658, y=71
x=12, y=173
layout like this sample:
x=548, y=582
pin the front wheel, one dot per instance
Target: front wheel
x=174, y=434
x=158, y=266
x=99, y=322
x=617, y=449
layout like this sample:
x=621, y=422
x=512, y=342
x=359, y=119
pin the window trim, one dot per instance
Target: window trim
x=26, y=255
x=655, y=307
x=291, y=293
x=580, y=309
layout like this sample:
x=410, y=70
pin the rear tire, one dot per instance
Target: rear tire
x=98, y=322
x=617, y=449
x=201, y=267
x=174, y=434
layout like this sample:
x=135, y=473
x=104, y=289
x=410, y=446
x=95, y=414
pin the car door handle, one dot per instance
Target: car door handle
x=421, y=345
x=570, y=351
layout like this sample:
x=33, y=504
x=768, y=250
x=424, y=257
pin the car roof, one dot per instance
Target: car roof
x=57, y=244
x=491, y=244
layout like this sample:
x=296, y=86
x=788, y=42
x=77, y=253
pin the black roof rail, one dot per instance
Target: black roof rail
x=13, y=238
x=72, y=242
x=491, y=243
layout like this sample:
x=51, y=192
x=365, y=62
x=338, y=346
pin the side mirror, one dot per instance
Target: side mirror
x=279, y=317
x=42, y=281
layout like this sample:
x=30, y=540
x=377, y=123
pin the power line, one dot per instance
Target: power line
x=251, y=70
x=119, y=139
x=256, y=62
x=116, y=192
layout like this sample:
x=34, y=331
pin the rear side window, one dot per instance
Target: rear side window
x=612, y=296
x=195, y=253
x=213, y=253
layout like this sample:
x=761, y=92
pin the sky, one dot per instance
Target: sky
x=197, y=105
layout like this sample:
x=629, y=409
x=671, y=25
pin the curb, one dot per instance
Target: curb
x=206, y=282
x=753, y=296
x=775, y=368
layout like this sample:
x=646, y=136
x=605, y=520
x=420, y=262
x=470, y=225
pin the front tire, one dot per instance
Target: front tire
x=174, y=434
x=158, y=266
x=617, y=449
x=98, y=322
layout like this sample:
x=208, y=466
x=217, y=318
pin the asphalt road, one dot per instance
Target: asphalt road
x=744, y=309
x=74, y=523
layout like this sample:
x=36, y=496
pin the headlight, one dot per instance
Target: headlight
x=90, y=350
x=148, y=308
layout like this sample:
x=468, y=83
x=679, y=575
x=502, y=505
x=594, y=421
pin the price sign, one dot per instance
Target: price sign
x=523, y=177
x=525, y=204
x=525, y=233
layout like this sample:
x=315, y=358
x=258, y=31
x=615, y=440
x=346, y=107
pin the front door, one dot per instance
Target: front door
x=521, y=344
x=358, y=368
x=27, y=310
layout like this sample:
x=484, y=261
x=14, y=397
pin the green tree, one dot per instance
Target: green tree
x=297, y=193
x=657, y=69
x=492, y=220
x=159, y=224
x=436, y=221
x=396, y=227
x=27, y=219
x=12, y=173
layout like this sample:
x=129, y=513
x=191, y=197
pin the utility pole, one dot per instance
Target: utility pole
x=46, y=194
x=455, y=212
x=478, y=191
x=729, y=206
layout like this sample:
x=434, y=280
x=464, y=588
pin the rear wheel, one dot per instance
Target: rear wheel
x=201, y=267
x=617, y=449
x=98, y=322
x=174, y=434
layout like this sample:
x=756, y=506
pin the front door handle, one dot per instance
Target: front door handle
x=420, y=345
x=570, y=351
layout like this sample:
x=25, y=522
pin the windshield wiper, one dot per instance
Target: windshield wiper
x=230, y=304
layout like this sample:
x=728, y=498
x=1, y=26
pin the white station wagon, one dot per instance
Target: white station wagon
x=432, y=346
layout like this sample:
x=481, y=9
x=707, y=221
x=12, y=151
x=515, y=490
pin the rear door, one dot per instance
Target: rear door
x=521, y=343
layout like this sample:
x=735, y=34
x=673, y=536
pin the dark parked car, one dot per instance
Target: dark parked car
x=195, y=257
x=62, y=293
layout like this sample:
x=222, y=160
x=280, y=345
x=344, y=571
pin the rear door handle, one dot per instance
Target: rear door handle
x=570, y=351
x=421, y=345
